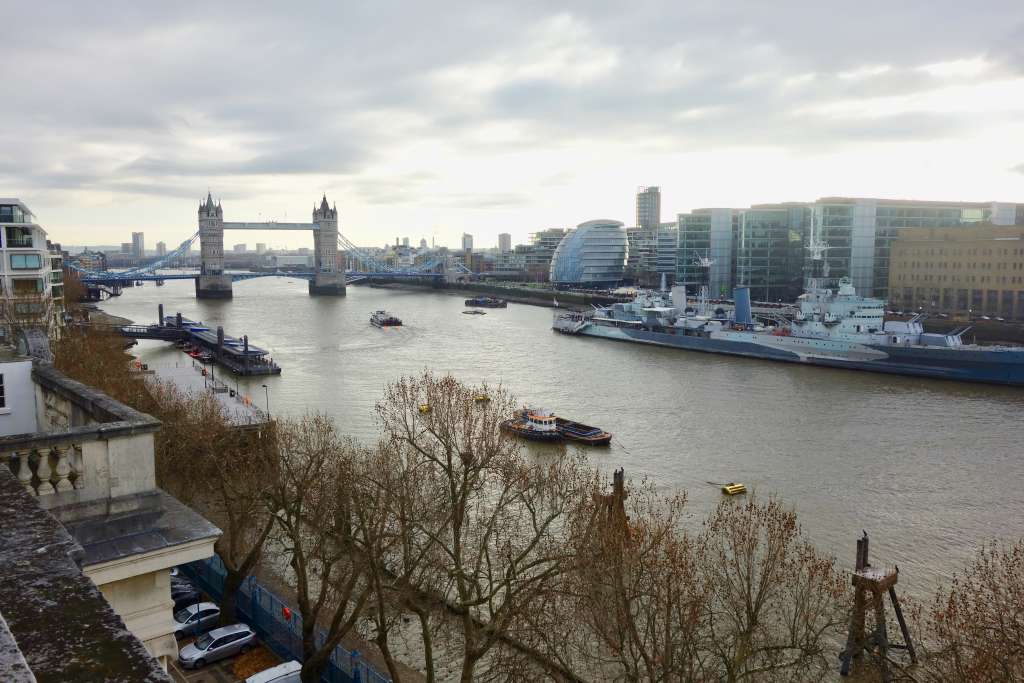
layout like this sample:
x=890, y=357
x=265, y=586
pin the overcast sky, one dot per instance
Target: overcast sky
x=426, y=119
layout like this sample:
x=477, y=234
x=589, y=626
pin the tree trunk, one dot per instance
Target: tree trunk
x=229, y=600
x=468, y=667
x=312, y=667
x=312, y=661
x=428, y=644
x=389, y=660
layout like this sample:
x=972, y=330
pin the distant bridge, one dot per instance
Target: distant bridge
x=213, y=281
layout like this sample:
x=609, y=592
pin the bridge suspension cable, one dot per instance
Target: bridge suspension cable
x=147, y=269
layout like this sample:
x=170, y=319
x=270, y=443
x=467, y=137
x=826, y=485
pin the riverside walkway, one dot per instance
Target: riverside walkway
x=188, y=375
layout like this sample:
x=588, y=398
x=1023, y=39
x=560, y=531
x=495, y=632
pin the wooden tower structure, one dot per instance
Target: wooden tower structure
x=870, y=585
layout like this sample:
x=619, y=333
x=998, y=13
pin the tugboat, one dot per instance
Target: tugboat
x=543, y=425
x=533, y=423
x=385, y=319
x=487, y=302
x=575, y=431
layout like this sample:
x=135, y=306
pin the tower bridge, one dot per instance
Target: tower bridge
x=330, y=247
x=214, y=283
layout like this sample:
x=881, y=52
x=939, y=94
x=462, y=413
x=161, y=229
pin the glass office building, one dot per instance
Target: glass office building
x=770, y=250
x=593, y=254
x=706, y=254
x=860, y=231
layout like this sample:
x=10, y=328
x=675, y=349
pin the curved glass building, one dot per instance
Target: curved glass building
x=592, y=255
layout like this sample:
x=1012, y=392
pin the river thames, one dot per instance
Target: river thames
x=929, y=468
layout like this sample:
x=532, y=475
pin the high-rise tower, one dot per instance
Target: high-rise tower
x=213, y=282
x=329, y=278
x=648, y=208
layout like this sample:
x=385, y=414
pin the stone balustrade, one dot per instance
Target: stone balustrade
x=46, y=470
x=91, y=446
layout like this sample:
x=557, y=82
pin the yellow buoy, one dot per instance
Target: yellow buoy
x=481, y=398
x=424, y=408
x=732, y=489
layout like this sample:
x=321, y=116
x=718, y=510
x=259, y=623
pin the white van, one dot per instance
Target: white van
x=282, y=673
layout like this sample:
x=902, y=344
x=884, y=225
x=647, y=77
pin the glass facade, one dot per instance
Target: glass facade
x=666, y=254
x=860, y=232
x=770, y=251
x=706, y=255
x=18, y=237
x=592, y=255
x=12, y=213
x=648, y=208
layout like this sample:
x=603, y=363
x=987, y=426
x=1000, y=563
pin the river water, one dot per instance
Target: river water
x=929, y=468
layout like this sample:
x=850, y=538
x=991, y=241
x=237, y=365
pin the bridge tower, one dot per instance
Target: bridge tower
x=329, y=277
x=213, y=282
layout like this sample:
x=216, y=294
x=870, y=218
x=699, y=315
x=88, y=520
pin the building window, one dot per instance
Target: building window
x=26, y=261
x=19, y=236
x=3, y=393
x=27, y=286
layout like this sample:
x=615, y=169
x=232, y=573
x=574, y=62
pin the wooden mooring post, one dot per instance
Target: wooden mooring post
x=615, y=502
x=870, y=586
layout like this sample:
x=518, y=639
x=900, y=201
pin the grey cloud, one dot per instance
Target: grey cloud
x=115, y=96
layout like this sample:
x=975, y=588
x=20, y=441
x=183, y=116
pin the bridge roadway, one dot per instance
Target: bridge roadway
x=350, y=277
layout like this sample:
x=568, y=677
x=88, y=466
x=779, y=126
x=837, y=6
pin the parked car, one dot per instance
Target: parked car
x=179, y=584
x=184, y=597
x=217, y=644
x=195, y=618
x=282, y=673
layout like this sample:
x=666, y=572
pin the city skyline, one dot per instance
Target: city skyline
x=538, y=119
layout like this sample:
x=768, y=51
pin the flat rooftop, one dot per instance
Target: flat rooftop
x=56, y=625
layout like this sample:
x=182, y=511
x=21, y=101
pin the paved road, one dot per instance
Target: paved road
x=219, y=672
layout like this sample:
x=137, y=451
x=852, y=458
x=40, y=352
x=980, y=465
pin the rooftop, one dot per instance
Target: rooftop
x=56, y=625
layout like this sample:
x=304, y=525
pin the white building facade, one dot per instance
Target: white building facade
x=28, y=269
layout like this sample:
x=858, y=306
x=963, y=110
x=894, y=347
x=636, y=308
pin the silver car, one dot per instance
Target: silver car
x=196, y=618
x=217, y=644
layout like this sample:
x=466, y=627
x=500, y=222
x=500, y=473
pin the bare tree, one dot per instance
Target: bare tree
x=237, y=473
x=28, y=320
x=974, y=629
x=499, y=518
x=397, y=523
x=311, y=501
x=776, y=605
x=639, y=594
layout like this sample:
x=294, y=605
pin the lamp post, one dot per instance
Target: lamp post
x=266, y=393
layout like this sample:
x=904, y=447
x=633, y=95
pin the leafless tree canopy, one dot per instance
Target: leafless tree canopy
x=974, y=629
x=311, y=500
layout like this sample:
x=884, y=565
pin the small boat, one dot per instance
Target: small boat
x=575, y=431
x=205, y=357
x=481, y=398
x=474, y=311
x=487, y=302
x=385, y=319
x=733, y=489
x=533, y=424
x=424, y=408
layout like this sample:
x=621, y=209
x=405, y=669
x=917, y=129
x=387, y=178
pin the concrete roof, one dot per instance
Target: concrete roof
x=60, y=626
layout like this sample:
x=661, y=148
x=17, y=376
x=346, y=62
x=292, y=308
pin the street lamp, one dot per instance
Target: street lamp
x=266, y=392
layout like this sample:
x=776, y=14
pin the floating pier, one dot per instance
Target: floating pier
x=234, y=353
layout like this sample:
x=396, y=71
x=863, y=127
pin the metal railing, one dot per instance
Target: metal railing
x=277, y=625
